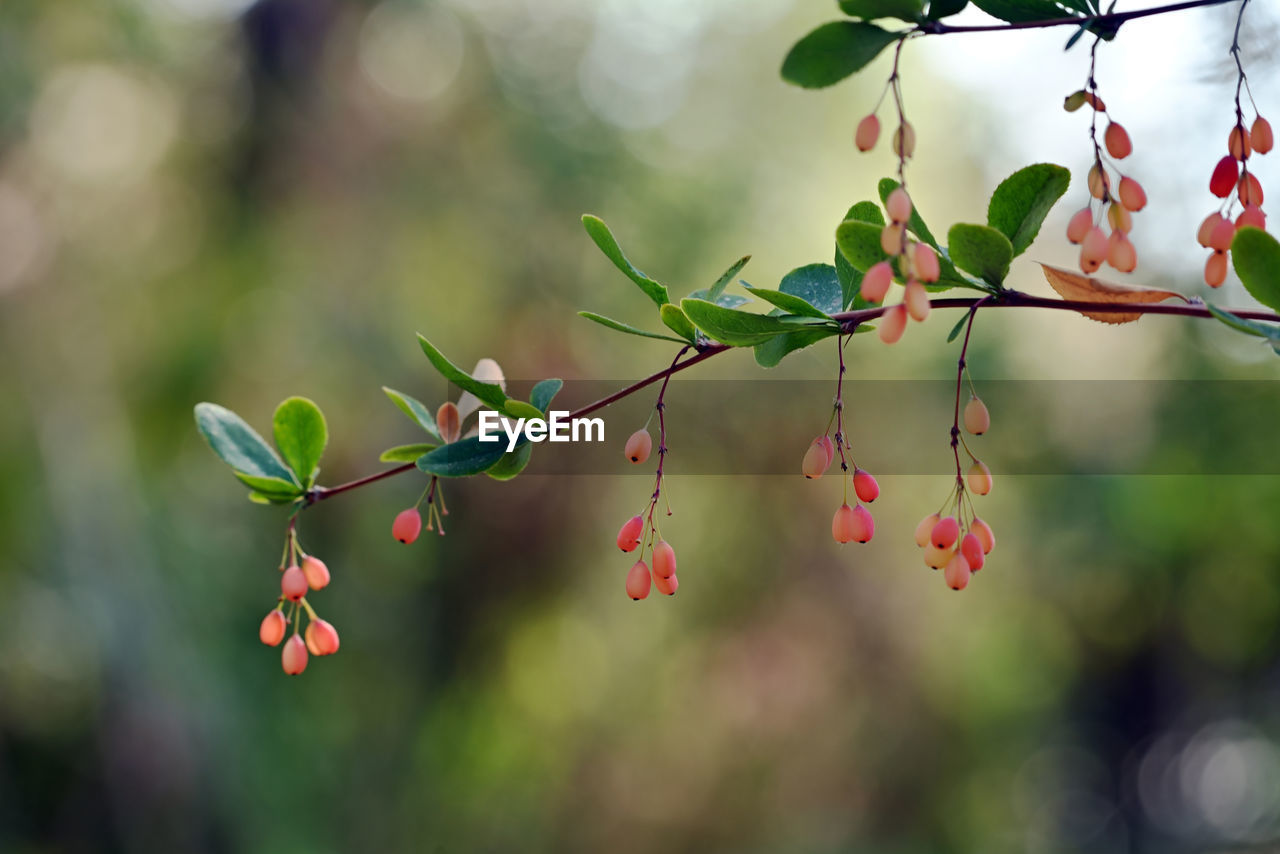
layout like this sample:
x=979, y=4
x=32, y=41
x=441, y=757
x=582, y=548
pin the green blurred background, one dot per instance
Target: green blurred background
x=211, y=200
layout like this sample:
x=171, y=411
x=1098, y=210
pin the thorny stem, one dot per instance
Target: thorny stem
x=1109, y=21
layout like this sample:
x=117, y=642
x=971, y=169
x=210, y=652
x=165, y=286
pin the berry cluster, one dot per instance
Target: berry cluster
x=304, y=572
x=1232, y=175
x=850, y=524
x=910, y=261
x=868, y=132
x=1128, y=197
x=641, y=532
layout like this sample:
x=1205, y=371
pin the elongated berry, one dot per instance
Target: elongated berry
x=1223, y=180
x=1222, y=235
x=664, y=560
x=916, y=299
x=293, y=584
x=1206, y=228
x=892, y=237
x=904, y=140
x=638, y=446
x=271, y=632
x=1118, y=215
x=316, y=572
x=926, y=263
x=925, y=529
x=1260, y=135
x=958, y=572
x=322, y=637
x=864, y=526
x=1215, y=269
x=898, y=206
x=971, y=548
x=865, y=486
x=1238, y=143
x=868, y=132
x=1252, y=215
x=983, y=532
x=448, y=421
x=1094, y=101
x=1078, y=227
x=876, y=281
x=1099, y=183
x=977, y=420
x=979, y=478
x=1132, y=196
x=666, y=586
x=817, y=459
x=638, y=581
x=843, y=524
x=1074, y=101
x=629, y=535
x=1121, y=253
x=1117, y=141
x=945, y=533
x=1094, y=250
x=294, y=656
x=936, y=558
x=893, y=323
x=407, y=525
x=1249, y=189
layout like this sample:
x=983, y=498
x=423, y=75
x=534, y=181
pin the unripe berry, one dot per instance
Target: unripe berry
x=865, y=486
x=1099, y=183
x=982, y=531
x=1094, y=101
x=666, y=586
x=1238, y=143
x=979, y=478
x=664, y=560
x=1094, y=250
x=977, y=420
x=842, y=524
x=271, y=632
x=892, y=237
x=639, y=446
x=1260, y=135
x=1223, y=180
x=971, y=548
x=1252, y=215
x=904, y=140
x=638, y=581
x=926, y=263
x=916, y=299
x=876, y=281
x=945, y=533
x=322, y=637
x=867, y=134
x=936, y=558
x=892, y=324
x=1204, y=235
x=1249, y=189
x=629, y=535
x=1215, y=269
x=1118, y=215
x=448, y=421
x=898, y=205
x=293, y=584
x=294, y=656
x=1121, y=253
x=1074, y=101
x=316, y=572
x=818, y=458
x=1079, y=225
x=1117, y=140
x=958, y=572
x=925, y=529
x=407, y=525
x=1132, y=196
x=1222, y=235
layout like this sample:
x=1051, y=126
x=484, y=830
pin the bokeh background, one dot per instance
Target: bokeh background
x=234, y=201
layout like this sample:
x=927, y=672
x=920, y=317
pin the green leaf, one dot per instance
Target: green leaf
x=599, y=232
x=1256, y=257
x=520, y=409
x=406, y=453
x=1244, y=324
x=834, y=51
x=723, y=300
x=726, y=277
x=1022, y=201
x=817, y=284
x=980, y=250
x=619, y=326
x=417, y=412
x=771, y=352
x=1017, y=11
x=915, y=224
x=544, y=392
x=301, y=435
x=866, y=212
x=955, y=330
x=945, y=8
x=463, y=458
x=850, y=277
x=282, y=490
x=735, y=328
x=859, y=242
x=787, y=302
x=490, y=394
x=238, y=445
x=675, y=320
x=906, y=10
x=511, y=463
x=270, y=498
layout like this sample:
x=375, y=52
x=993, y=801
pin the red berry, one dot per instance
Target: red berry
x=271, y=632
x=925, y=529
x=916, y=299
x=898, y=206
x=979, y=478
x=448, y=422
x=971, y=548
x=1080, y=224
x=1223, y=180
x=867, y=134
x=926, y=263
x=865, y=485
x=892, y=238
x=984, y=534
x=1238, y=143
x=666, y=586
x=817, y=459
x=1215, y=269
x=1260, y=135
x=316, y=572
x=293, y=584
x=1121, y=253
x=1252, y=215
x=958, y=572
x=1206, y=228
x=639, y=446
x=294, y=656
x=322, y=637
x=629, y=535
x=1117, y=140
x=876, y=281
x=407, y=525
x=1132, y=196
x=945, y=533
x=664, y=560
x=638, y=581
x=893, y=323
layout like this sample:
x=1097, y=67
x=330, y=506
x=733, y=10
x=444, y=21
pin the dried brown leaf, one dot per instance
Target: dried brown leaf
x=1078, y=287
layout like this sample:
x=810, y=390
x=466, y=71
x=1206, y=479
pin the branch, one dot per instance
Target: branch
x=1110, y=21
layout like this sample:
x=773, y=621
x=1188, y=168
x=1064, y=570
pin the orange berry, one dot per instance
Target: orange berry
x=638, y=446
x=979, y=478
x=876, y=281
x=407, y=525
x=322, y=637
x=904, y=140
x=865, y=486
x=971, y=548
x=1099, y=183
x=271, y=632
x=925, y=529
x=958, y=572
x=1222, y=235
x=629, y=535
x=1249, y=189
x=1260, y=135
x=1094, y=101
x=638, y=581
x=945, y=533
x=867, y=134
x=316, y=572
x=666, y=586
x=1238, y=143
x=1079, y=225
x=1215, y=269
x=294, y=656
x=1094, y=250
x=916, y=299
x=293, y=584
x=664, y=560
x=977, y=420
x=926, y=263
x=1252, y=215
x=984, y=534
x=898, y=206
x=936, y=558
x=448, y=422
x=1117, y=140
x=1223, y=180
x=893, y=323
x=817, y=459
x=1207, y=227
x=892, y=237
x=1121, y=253
x=1132, y=196
x=1118, y=215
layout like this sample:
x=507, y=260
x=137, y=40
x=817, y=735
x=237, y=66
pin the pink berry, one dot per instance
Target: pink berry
x=271, y=632
x=842, y=524
x=629, y=535
x=979, y=478
x=867, y=134
x=322, y=637
x=984, y=534
x=1238, y=143
x=1117, y=141
x=916, y=299
x=666, y=586
x=638, y=581
x=925, y=529
x=892, y=238
x=1215, y=269
x=1249, y=189
x=1121, y=253
x=926, y=263
x=407, y=525
x=1078, y=227
x=1132, y=196
x=958, y=572
x=1252, y=215
x=945, y=533
x=1205, y=233
x=1260, y=135
x=1094, y=250
x=876, y=281
x=817, y=459
x=865, y=485
x=316, y=572
x=971, y=548
x=664, y=560
x=294, y=656
x=893, y=323
x=293, y=584
x=1222, y=235
x=898, y=205
x=638, y=446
